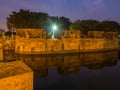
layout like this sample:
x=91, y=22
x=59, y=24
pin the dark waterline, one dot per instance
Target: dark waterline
x=79, y=71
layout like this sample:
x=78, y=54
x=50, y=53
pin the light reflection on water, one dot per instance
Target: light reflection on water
x=78, y=71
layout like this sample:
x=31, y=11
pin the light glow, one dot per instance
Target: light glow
x=54, y=27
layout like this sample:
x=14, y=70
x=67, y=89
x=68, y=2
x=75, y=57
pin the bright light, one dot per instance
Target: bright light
x=54, y=27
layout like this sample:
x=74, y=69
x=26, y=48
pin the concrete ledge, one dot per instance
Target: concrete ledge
x=15, y=76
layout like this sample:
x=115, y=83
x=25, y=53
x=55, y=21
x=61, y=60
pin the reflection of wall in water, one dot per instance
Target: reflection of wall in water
x=91, y=58
x=40, y=64
x=95, y=62
x=37, y=64
x=110, y=58
x=69, y=64
x=100, y=60
x=65, y=63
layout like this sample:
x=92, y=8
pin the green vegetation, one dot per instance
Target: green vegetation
x=85, y=25
x=28, y=19
x=94, y=25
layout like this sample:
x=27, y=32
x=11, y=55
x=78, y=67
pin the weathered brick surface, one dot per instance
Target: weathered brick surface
x=34, y=41
x=15, y=76
x=31, y=33
x=83, y=44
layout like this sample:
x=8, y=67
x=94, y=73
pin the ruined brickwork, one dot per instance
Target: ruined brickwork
x=111, y=35
x=96, y=34
x=35, y=41
x=102, y=34
x=7, y=43
x=74, y=34
x=70, y=40
x=31, y=33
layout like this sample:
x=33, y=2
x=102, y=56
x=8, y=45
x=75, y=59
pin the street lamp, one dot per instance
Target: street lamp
x=54, y=27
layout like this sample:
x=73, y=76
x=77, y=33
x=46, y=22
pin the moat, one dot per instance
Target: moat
x=75, y=71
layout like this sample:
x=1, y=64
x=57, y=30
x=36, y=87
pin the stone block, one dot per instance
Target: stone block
x=15, y=76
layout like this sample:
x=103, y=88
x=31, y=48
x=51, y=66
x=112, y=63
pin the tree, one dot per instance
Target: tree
x=61, y=22
x=26, y=19
x=85, y=25
x=109, y=26
x=76, y=25
x=64, y=22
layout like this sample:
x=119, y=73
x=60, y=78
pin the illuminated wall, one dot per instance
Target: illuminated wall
x=15, y=76
x=34, y=41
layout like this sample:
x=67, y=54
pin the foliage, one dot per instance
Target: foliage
x=26, y=19
x=85, y=25
x=62, y=23
x=109, y=26
x=37, y=20
x=93, y=25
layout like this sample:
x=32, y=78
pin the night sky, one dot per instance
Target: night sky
x=73, y=9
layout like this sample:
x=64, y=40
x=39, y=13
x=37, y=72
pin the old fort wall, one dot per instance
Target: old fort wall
x=35, y=41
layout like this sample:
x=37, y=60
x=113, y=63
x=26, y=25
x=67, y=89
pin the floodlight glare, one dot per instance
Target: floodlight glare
x=54, y=27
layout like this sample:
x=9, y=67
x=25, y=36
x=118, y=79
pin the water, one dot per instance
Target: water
x=77, y=71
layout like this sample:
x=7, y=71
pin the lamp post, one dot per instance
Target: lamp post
x=54, y=27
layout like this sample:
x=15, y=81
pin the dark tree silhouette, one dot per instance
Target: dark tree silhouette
x=26, y=19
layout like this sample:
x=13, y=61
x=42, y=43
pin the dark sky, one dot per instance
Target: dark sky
x=73, y=9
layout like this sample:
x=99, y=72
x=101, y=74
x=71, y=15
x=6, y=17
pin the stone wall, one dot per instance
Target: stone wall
x=53, y=45
x=31, y=33
x=96, y=34
x=70, y=34
x=34, y=41
x=15, y=76
x=29, y=45
x=102, y=34
x=49, y=45
x=70, y=44
x=37, y=45
x=7, y=43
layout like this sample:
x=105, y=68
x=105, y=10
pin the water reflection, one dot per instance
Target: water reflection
x=65, y=63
